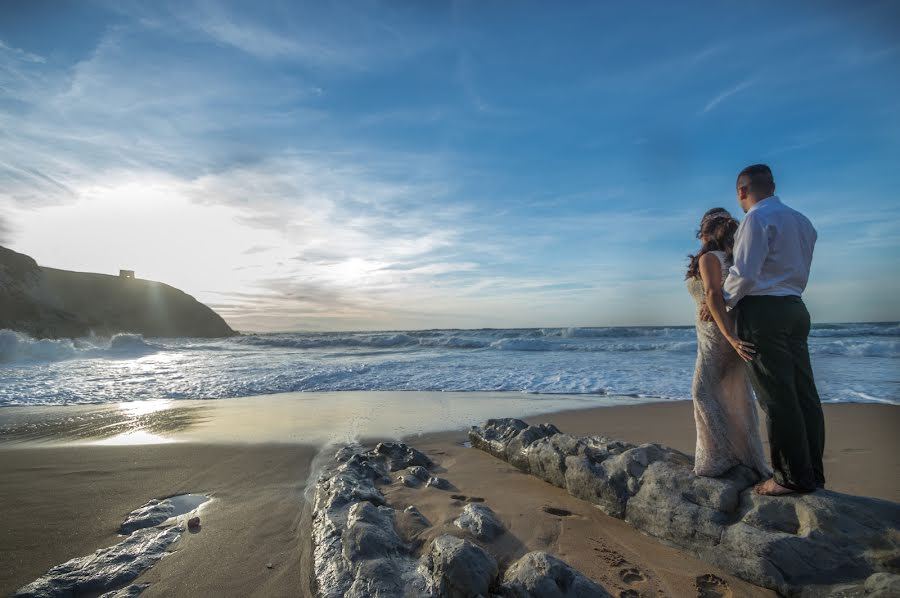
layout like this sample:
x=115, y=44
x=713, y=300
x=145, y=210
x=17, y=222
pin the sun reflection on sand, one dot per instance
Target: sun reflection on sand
x=138, y=408
x=304, y=418
x=133, y=438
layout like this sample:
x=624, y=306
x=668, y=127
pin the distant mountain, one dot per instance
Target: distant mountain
x=50, y=303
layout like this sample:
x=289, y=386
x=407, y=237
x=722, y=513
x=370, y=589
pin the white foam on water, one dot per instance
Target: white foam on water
x=850, y=361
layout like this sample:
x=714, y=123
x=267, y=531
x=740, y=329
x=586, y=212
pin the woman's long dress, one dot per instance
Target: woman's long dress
x=724, y=407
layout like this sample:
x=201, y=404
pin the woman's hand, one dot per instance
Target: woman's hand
x=746, y=350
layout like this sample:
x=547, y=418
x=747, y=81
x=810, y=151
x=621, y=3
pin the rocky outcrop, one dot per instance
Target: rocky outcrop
x=356, y=549
x=49, y=303
x=157, y=511
x=358, y=552
x=540, y=575
x=787, y=544
x=456, y=568
x=480, y=521
x=105, y=572
x=107, y=569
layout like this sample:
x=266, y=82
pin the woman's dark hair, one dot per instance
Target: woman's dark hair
x=718, y=224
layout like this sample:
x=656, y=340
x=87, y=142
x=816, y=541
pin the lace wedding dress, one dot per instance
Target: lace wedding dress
x=724, y=407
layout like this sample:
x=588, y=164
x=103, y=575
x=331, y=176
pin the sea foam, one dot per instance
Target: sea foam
x=852, y=362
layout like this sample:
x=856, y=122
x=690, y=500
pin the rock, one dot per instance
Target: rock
x=400, y=456
x=675, y=505
x=456, y=568
x=439, y=483
x=269, y=565
x=518, y=448
x=409, y=481
x=357, y=551
x=194, y=523
x=540, y=575
x=882, y=585
x=878, y=585
x=785, y=543
x=364, y=548
x=345, y=452
x=508, y=439
x=831, y=539
x=494, y=436
x=128, y=591
x=370, y=533
x=547, y=457
x=107, y=569
x=419, y=473
x=150, y=514
x=155, y=511
x=480, y=521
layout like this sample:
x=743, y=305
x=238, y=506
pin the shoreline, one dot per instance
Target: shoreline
x=66, y=500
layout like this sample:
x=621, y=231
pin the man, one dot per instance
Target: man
x=772, y=256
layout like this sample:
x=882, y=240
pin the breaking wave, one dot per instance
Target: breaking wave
x=16, y=347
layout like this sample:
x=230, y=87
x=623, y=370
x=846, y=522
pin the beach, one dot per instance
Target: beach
x=69, y=484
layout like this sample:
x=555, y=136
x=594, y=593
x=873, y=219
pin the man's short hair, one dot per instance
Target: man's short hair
x=758, y=179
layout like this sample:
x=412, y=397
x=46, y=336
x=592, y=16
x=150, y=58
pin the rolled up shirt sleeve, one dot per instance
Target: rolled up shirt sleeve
x=751, y=246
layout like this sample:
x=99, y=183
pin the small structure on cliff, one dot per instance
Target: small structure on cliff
x=126, y=274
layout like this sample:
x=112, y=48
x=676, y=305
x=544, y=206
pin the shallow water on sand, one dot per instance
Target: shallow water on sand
x=313, y=418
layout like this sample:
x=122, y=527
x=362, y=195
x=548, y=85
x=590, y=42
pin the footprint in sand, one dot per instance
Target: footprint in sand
x=611, y=557
x=631, y=575
x=712, y=586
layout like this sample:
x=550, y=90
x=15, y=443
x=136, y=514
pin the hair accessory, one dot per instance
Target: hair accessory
x=715, y=215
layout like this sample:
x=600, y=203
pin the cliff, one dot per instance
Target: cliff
x=50, y=303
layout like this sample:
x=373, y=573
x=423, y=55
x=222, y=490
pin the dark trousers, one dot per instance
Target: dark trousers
x=782, y=378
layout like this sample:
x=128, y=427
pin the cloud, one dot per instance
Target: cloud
x=264, y=43
x=721, y=97
x=20, y=54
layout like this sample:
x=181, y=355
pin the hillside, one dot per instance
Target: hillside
x=51, y=303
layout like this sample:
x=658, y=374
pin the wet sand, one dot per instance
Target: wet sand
x=59, y=502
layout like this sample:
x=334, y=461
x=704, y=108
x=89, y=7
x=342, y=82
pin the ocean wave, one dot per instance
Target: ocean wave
x=618, y=332
x=565, y=340
x=857, y=348
x=17, y=347
x=854, y=330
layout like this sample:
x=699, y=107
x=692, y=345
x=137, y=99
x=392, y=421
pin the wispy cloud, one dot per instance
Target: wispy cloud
x=20, y=54
x=724, y=95
x=262, y=42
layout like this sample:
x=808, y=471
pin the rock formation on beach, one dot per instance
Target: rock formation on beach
x=108, y=571
x=358, y=552
x=50, y=303
x=818, y=544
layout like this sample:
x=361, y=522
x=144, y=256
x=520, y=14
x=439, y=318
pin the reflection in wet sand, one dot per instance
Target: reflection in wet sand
x=312, y=418
x=146, y=422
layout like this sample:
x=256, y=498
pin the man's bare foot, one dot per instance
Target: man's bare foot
x=771, y=488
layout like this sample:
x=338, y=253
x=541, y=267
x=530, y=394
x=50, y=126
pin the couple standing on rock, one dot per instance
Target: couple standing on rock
x=758, y=271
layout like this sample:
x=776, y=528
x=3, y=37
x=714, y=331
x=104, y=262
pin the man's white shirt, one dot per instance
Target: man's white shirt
x=773, y=250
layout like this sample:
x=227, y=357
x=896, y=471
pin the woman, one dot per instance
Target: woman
x=724, y=408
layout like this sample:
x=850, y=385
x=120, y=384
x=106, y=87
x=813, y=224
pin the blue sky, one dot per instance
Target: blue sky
x=368, y=165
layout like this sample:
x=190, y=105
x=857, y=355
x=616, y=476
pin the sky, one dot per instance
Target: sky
x=403, y=165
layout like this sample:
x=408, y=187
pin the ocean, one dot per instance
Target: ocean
x=852, y=363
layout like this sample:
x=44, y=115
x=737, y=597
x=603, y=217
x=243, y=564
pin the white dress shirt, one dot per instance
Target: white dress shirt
x=773, y=250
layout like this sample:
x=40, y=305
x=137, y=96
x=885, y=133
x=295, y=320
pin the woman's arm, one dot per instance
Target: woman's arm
x=711, y=274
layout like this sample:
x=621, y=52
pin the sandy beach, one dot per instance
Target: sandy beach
x=65, y=500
